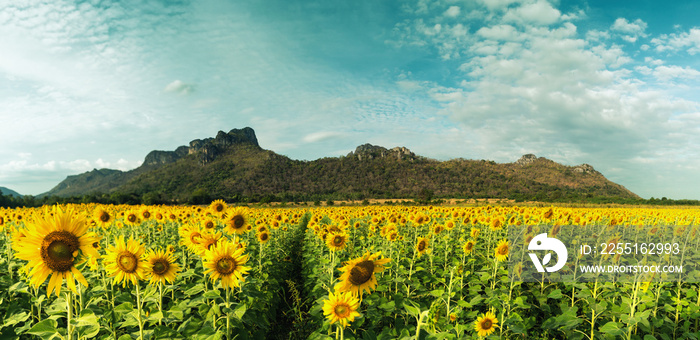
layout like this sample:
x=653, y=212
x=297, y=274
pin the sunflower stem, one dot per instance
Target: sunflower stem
x=495, y=272
x=160, y=301
x=228, y=312
x=80, y=298
x=111, y=298
x=69, y=315
x=410, y=272
x=138, y=306
x=262, y=247
x=330, y=269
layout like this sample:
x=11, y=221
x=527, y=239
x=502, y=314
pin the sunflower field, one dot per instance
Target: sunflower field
x=364, y=272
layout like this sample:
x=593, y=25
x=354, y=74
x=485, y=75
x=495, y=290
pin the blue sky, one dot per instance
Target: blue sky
x=97, y=84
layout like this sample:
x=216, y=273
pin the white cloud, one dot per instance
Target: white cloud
x=499, y=32
x=630, y=31
x=321, y=136
x=623, y=25
x=179, y=87
x=497, y=4
x=452, y=12
x=596, y=35
x=688, y=41
x=668, y=73
x=540, y=12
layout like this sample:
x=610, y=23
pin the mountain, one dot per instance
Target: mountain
x=9, y=192
x=234, y=167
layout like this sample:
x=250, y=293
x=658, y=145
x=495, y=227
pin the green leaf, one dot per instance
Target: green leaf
x=123, y=308
x=175, y=312
x=411, y=309
x=155, y=317
x=556, y=294
x=46, y=329
x=87, y=324
x=649, y=337
x=15, y=319
x=437, y=292
x=164, y=332
x=388, y=306
x=195, y=290
x=212, y=294
x=19, y=287
x=611, y=328
x=239, y=311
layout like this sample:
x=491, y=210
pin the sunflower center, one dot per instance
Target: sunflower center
x=486, y=324
x=469, y=246
x=338, y=240
x=160, y=266
x=264, y=237
x=57, y=250
x=342, y=311
x=421, y=246
x=219, y=208
x=196, y=238
x=226, y=265
x=209, y=243
x=503, y=250
x=127, y=262
x=131, y=218
x=237, y=221
x=361, y=272
x=104, y=217
x=146, y=214
x=209, y=225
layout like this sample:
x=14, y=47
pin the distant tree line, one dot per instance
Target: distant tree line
x=202, y=197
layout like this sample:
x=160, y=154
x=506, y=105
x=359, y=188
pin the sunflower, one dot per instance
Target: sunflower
x=420, y=219
x=225, y=261
x=341, y=308
x=131, y=218
x=337, y=241
x=191, y=237
x=497, y=223
x=217, y=207
x=207, y=240
x=422, y=245
x=263, y=236
x=125, y=261
x=502, y=250
x=358, y=274
x=102, y=216
x=237, y=221
x=161, y=267
x=474, y=233
x=485, y=324
x=144, y=213
x=468, y=247
x=208, y=224
x=52, y=245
